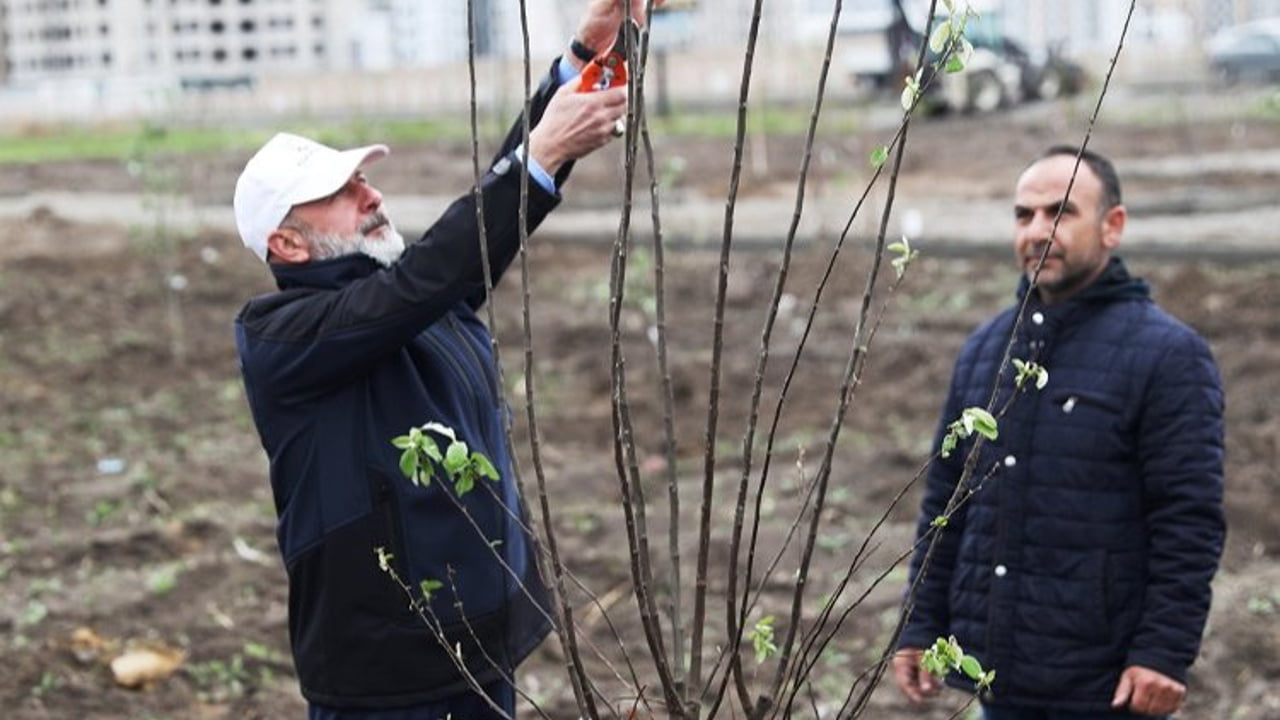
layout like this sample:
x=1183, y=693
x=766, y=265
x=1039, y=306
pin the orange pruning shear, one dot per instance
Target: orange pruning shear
x=609, y=68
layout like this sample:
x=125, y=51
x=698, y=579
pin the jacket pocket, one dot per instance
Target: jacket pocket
x=1072, y=401
x=387, y=544
x=1088, y=425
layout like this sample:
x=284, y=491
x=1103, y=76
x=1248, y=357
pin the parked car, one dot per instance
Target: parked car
x=1247, y=51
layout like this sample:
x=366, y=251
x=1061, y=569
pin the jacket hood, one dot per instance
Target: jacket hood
x=1115, y=283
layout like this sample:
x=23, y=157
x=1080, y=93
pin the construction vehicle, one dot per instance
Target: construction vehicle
x=881, y=45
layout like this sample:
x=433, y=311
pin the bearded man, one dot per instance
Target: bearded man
x=365, y=339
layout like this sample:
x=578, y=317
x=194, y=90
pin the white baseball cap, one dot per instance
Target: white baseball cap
x=287, y=171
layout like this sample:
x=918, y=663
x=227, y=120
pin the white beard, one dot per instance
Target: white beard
x=385, y=246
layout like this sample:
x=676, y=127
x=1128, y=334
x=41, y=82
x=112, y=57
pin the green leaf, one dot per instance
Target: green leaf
x=403, y=442
x=939, y=521
x=455, y=458
x=939, y=37
x=483, y=467
x=879, y=156
x=1027, y=370
x=970, y=666
x=983, y=422
x=428, y=586
x=937, y=660
x=428, y=447
x=409, y=464
x=905, y=256
x=955, y=64
x=908, y=97
x=762, y=639
x=948, y=444
x=465, y=483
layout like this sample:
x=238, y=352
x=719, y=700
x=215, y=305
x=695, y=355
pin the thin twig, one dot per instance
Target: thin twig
x=717, y=349
x=736, y=621
x=565, y=628
x=633, y=498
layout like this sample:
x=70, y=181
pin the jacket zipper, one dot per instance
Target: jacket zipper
x=481, y=390
x=490, y=382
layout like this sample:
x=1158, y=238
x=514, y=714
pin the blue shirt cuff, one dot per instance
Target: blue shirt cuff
x=565, y=71
x=540, y=176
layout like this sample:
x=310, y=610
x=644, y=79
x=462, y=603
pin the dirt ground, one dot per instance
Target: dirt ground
x=135, y=510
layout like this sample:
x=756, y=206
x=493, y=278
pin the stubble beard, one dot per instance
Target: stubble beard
x=1064, y=279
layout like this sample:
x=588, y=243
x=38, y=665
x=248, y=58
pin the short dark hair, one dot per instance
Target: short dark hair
x=1101, y=167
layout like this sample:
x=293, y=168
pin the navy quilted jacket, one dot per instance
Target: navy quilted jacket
x=346, y=356
x=1097, y=522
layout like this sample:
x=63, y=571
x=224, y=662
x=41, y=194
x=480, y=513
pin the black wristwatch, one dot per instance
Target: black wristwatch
x=580, y=51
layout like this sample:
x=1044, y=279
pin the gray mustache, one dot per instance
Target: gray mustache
x=373, y=221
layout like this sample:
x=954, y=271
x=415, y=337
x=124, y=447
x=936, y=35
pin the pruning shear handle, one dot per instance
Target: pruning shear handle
x=609, y=68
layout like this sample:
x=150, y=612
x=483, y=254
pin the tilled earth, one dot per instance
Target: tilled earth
x=135, y=511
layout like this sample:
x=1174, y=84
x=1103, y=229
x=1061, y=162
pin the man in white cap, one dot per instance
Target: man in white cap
x=365, y=339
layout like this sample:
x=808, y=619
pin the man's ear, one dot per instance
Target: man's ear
x=286, y=245
x=1113, y=226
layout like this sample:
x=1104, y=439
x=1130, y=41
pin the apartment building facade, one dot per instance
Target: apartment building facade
x=193, y=41
x=211, y=42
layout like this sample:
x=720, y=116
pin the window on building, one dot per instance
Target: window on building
x=247, y=26
x=217, y=26
x=219, y=55
x=249, y=54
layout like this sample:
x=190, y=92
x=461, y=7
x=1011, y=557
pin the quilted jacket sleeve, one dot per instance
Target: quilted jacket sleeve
x=1181, y=431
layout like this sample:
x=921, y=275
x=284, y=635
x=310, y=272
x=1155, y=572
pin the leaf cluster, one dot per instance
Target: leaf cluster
x=972, y=419
x=948, y=46
x=1028, y=370
x=762, y=639
x=421, y=458
x=947, y=655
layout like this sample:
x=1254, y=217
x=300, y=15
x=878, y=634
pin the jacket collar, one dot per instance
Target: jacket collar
x=328, y=274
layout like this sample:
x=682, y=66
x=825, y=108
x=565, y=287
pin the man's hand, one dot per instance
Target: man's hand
x=1147, y=692
x=914, y=682
x=575, y=124
x=598, y=28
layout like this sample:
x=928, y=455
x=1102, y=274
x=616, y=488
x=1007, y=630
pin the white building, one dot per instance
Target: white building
x=135, y=56
x=193, y=41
